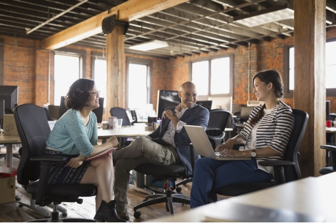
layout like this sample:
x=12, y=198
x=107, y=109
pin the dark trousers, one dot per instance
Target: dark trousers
x=210, y=175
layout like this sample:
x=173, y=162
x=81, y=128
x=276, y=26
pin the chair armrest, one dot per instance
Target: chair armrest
x=42, y=186
x=48, y=158
x=328, y=147
x=276, y=163
x=278, y=166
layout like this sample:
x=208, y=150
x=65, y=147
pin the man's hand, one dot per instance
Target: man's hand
x=76, y=162
x=169, y=114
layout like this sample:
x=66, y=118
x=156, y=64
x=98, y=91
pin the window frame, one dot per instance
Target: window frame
x=209, y=59
x=289, y=93
x=69, y=52
x=97, y=55
x=140, y=61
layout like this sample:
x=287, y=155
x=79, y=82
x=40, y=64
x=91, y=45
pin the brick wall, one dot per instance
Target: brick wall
x=264, y=55
x=19, y=67
x=27, y=66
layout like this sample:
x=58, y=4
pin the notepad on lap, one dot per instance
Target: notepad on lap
x=103, y=153
x=202, y=145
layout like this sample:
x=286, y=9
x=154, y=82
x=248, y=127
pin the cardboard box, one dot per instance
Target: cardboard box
x=7, y=189
x=9, y=125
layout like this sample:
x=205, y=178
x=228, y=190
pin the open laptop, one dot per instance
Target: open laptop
x=202, y=145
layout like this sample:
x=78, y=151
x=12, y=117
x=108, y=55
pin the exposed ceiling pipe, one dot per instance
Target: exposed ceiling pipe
x=28, y=30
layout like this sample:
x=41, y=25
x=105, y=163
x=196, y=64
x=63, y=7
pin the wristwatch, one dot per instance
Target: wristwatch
x=253, y=153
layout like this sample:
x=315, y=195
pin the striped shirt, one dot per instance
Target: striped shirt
x=273, y=130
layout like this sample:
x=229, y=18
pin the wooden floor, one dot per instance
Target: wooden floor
x=12, y=212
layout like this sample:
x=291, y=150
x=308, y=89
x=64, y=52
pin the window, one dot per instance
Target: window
x=100, y=76
x=213, y=77
x=139, y=82
x=67, y=69
x=330, y=69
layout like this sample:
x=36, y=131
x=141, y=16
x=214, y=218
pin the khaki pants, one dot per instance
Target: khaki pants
x=142, y=150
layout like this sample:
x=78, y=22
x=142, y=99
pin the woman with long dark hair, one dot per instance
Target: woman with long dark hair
x=75, y=136
x=265, y=137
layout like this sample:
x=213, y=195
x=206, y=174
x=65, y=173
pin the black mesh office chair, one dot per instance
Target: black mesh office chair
x=285, y=170
x=331, y=152
x=47, y=114
x=216, y=126
x=34, y=130
x=162, y=172
x=120, y=113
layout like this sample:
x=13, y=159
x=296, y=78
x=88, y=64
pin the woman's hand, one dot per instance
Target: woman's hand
x=227, y=145
x=113, y=141
x=76, y=162
x=230, y=153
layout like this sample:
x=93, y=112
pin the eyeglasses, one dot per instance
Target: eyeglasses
x=96, y=93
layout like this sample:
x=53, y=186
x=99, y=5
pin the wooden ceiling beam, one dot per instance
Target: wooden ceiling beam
x=128, y=11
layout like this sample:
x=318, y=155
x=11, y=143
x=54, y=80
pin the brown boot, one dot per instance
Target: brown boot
x=123, y=215
x=107, y=212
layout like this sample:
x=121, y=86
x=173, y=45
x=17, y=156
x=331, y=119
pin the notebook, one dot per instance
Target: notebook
x=202, y=144
x=103, y=153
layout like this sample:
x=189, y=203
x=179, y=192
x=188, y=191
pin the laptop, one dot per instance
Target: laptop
x=202, y=144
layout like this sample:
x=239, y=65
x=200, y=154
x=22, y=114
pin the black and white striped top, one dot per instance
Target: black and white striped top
x=274, y=129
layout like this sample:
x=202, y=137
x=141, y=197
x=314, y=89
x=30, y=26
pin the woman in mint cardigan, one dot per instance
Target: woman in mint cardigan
x=75, y=136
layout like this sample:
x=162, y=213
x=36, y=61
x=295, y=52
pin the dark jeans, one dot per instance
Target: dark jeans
x=210, y=175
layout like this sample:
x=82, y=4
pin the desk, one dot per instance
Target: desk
x=308, y=196
x=9, y=141
x=127, y=131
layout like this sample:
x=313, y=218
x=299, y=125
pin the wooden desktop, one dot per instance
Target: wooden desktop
x=311, y=196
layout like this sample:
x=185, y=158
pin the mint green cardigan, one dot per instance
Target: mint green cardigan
x=71, y=137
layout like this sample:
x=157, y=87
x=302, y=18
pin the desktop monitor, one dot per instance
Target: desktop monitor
x=100, y=110
x=205, y=103
x=10, y=95
x=166, y=98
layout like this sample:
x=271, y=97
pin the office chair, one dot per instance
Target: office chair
x=100, y=110
x=162, y=172
x=62, y=107
x=134, y=117
x=217, y=122
x=34, y=166
x=331, y=151
x=120, y=113
x=285, y=170
x=47, y=114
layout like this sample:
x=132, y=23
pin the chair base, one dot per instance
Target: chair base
x=168, y=198
x=55, y=217
x=41, y=210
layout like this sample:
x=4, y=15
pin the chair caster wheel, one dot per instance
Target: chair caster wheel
x=178, y=190
x=64, y=215
x=20, y=206
x=137, y=214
